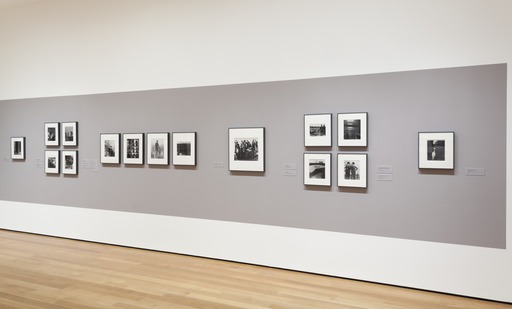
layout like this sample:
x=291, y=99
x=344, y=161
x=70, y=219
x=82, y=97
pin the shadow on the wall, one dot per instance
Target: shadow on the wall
x=70, y=176
x=436, y=172
x=159, y=167
x=111, y=164
x=317, y=188
x=134, y=166
x=259, y=174
x=353, y=148
x=353, y=190
x=186, y=167
x=318, y=148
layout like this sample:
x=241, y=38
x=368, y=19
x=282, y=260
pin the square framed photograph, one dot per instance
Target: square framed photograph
x=353, y=170
x=436, y=150
x=52, y=161
x=184, y=148
x=317, y=169
x=110, y=148
x=353, y=129
x=51, y=134
x=318, y=130
x=246, y=149
x=70, y=162
x=69, y=133
x=157, y=148
x=133, y=152
x=18, y=148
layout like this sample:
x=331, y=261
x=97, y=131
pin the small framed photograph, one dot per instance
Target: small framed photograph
x=69, y=133
x=70, y=162
x=18, y=148
x=158, y=148
x=353, y=170
x=317, y=169
x=133, y=144
x=353, y=129
x=51, y=134
x=317, y=130
x=184, y=148
x=436, y=150
x=52, y=161
x=247, y=149
x=110, y=148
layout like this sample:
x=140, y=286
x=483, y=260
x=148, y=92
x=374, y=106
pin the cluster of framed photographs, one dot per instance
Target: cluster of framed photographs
x=55, y=135
x=352, y=130
x=352, y=169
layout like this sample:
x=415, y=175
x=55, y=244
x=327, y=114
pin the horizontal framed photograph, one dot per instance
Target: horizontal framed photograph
x=18, y=148
x=353, y=170
x=436, y=150
x=69, y=133
x=133, y=152
x=70, y=162
x=246, y=149
x=184, y=148
x=157, y=148
x=52, y=161
x=353, y=129
x=51, y=134
x=317, y=169
x=110, y=148
x=318, y=130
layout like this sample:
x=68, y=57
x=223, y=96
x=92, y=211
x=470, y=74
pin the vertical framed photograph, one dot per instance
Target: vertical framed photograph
x=157, y=148
x=184, y=148
x=317, y=169
x=247, y=149
x=52, y=161
x=318, y=130
x=18, y=148
x=70, y=162
x=133, y=152
x=436, y=150
x=353, y=129
x=51, y=134
x=110, y=148
x=69, y=133
x=353, y=170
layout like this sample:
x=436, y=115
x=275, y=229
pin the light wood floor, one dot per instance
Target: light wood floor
x=47, y=272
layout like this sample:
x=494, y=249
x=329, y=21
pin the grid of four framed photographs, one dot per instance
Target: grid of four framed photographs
x=57, y=134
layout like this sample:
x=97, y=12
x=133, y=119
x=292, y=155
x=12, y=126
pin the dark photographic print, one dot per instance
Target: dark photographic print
x=51, y=161
x=51, y=134
x=110, y=148
x=316, y=169
x=184, y=148
x=246, y=149
x=17, y=148
x=352, y=128
x=435, y=150
x=317, y=130
x=70, y=162
x=352, y=170
x=133, y=148
x=69, y=133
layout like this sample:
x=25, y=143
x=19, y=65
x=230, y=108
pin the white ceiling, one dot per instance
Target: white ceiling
x=7, y=4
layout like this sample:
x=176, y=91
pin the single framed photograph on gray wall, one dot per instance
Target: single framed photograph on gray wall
x=157, y=148
x=353, y=129
x=436, y=150
x=52, y=161
x=110, y=148
x=133, y=152
x=70, y=162
x=184, y=148
x=353, y=170
x=69, y=133
x=18, y=148
x=51, y=134
x=247, y=149
x=317, y=169
x=317, y=130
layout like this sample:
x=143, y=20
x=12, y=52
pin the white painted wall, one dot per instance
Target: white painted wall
x=60, y=47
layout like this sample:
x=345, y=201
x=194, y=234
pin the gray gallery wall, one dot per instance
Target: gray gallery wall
x=449, y=207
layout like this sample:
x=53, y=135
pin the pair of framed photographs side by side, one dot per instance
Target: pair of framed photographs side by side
x=352, y=130
x=65, y=134
x=352, y=169
x=57, y=160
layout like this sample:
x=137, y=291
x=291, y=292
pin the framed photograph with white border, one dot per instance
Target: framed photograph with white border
x=70, y=162
x=51, y=134
x=318, y=130
x=110, y=148
x=52, y=161
x=353, y=129
x=69, y=133
x=246, y=149
x=157, y=148
x=133, y=148
x=18, y=148
x=353, y=170
x=184, y=148
x=436, y=150
x=317, y=169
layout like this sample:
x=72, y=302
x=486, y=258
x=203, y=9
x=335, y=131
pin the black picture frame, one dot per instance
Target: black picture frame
x=18, y=148
x=110, y=148
x=133, y=148
x=52, y=134
x=317, y=169
x=353, y=170
x=436, y=150
x=184, y=148
x=52, y=161
x=318, y=130
x=353, y=129
x=157, y=148
x=70, y=162
x=246, y=149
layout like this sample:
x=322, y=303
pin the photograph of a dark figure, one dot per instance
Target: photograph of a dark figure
x=435, y=150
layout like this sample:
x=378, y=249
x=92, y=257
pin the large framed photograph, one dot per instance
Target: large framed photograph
x=353, y=170
x=317, y=169
x=133, y=144
x=51, y=134
x=70, y=162
x=52, y=161
x=157, y=148
x=69, y=133
x=353, y=129
x=18, y=148
x=184, y=148
x=110, y=148
x=247, y=149
x=436, y=150
x=318, y=130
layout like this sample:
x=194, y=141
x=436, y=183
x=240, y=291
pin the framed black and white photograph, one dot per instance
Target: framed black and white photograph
x=133, y=152
x=317, y=169
x=436, y=150
x=51, y=134
x=157, y=148
x=353, y=170
x=247, y=149
x=52, y=161
x=353, y=129
x=110, y=148
x=18, y=148
x=184, y=148
x=69, y=132
x=318, y=130
x=70, y=162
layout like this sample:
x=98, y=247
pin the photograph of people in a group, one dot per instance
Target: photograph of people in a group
x=246, y=149
x=351, y=169
x=317, y=130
